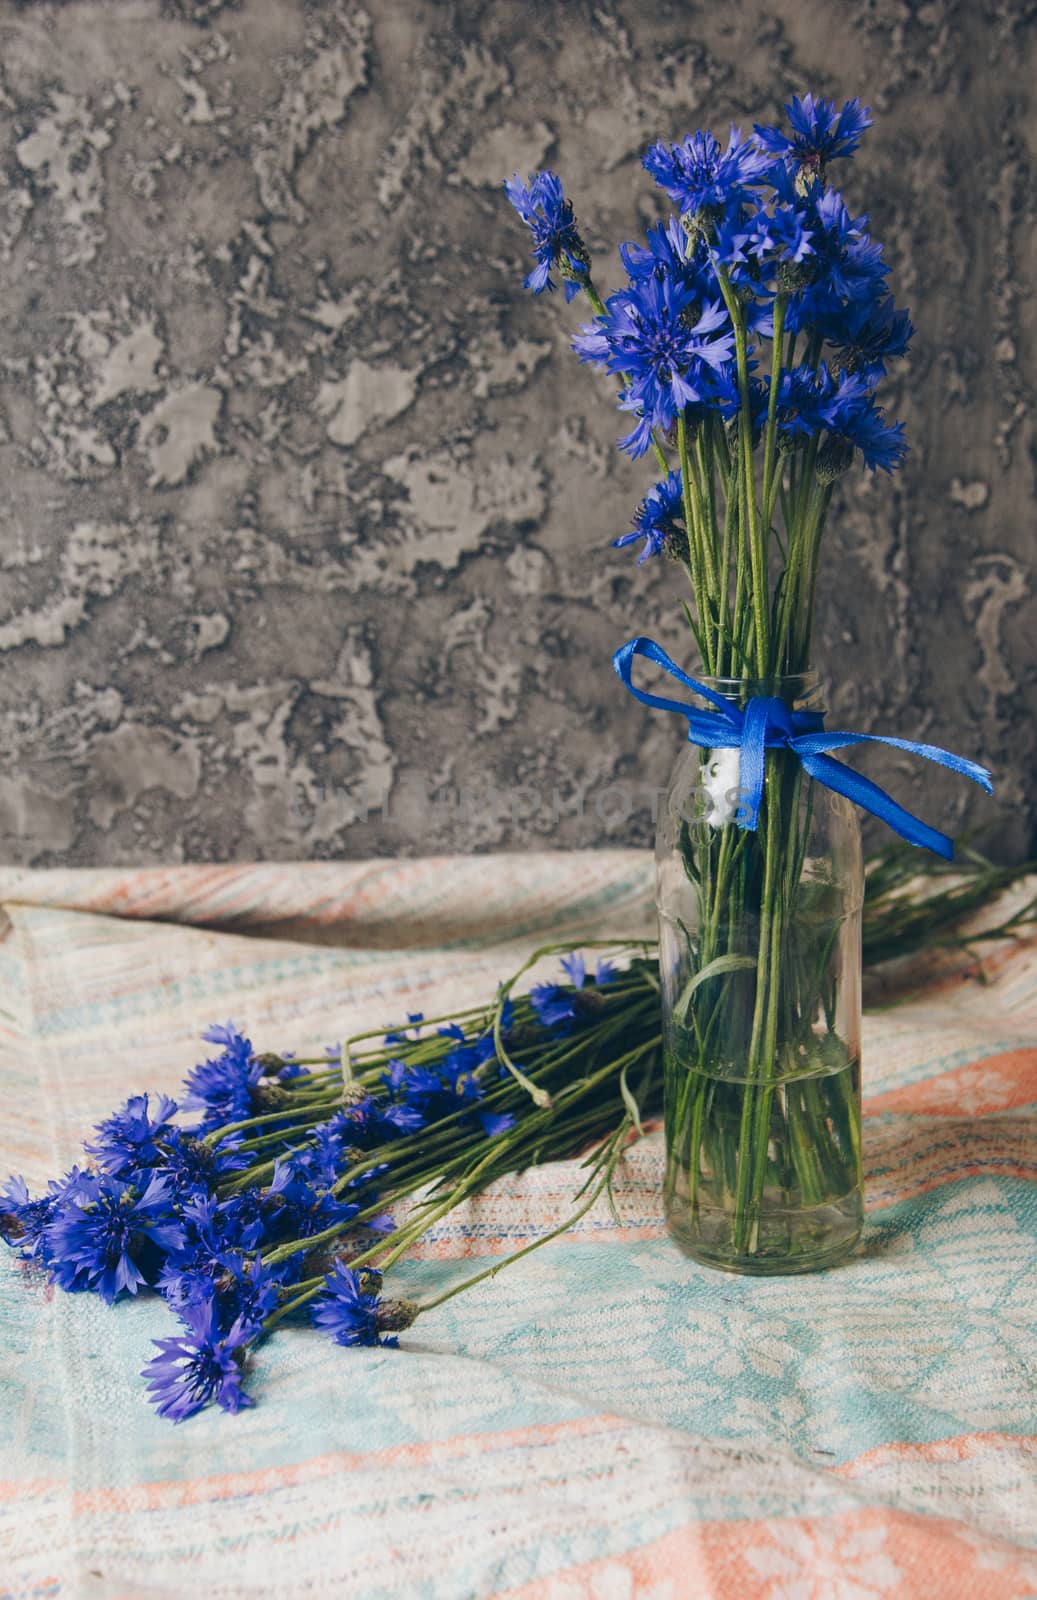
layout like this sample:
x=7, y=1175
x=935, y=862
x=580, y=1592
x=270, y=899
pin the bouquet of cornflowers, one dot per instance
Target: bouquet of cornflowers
x=749, y=343
x=756, y=320
x=281, y=1189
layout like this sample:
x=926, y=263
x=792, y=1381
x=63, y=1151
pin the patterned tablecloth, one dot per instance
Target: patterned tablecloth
x=603, y=1421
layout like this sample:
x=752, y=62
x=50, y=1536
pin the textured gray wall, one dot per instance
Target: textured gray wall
x=306, y=503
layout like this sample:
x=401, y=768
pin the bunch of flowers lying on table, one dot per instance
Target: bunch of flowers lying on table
x=282, y=1190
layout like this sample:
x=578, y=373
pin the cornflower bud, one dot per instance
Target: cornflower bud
x=794, y=275
x=395, y=1315
x=833, y=458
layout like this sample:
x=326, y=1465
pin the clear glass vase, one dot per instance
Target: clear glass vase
x=760, y=958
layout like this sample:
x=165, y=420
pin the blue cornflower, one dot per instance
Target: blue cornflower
x=558, y=1006
x=868, y=334
x=806, y=401
x=243, y=1219
x=23, y=1219
x=216, y=1226
x=381, y=1223
x=324, y=1158
x=257, y=1287
x=361, y=1115
x=434, y=1091
x=195, y=1167
x=199, y=1366
x=409, y=1084
x=482, y=1049
x=458, y=1074
x=234, y=1043
x=235, y=1283
x=556, y=240
x=302, y=1209
x=361, y=1120
x=669, y=253
x=554, y=1005
x=495, y=1122
x=131, y=1137
x=346, y=1311
x=239, y=1285
x=209, y=1266
x=462, y=1072
x=737, y=240
x=658, y=520
x=574, y=966
x=367, y=1179
x=400, y=1036
x=849, y=259
x=421, y=1095
x=649, y=337
x=352, y=1314
x=398, y=1118
x=789, y=235
x=844, y=268
x=492, y=1123
x=664, y=252
x=701, y=177
x=224, y=1089
x=105, y=1231
x=819, y=133
x=860, y=424
x=182, y=1286
x=414, y=1086
x=764, y=237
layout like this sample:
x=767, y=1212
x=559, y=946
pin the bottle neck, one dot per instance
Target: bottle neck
x=800, y=691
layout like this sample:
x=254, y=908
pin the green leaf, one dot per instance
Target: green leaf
x=713, y=969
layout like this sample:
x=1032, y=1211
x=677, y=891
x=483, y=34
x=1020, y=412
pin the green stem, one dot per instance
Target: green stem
x=517, y=1255
x=291, y=1305
x=696, y=543
x=709, y=516
x=753, y=1131
x=214, y=1138
x=723, y=615
x=813, y=559
x=757, y=549
x=770, y=434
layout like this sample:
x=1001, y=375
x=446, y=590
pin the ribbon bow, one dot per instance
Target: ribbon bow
x=768, y=724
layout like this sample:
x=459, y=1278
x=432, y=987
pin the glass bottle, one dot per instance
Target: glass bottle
x=760, y=960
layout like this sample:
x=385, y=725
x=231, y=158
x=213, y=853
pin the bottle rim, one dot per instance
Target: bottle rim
x=784, y=686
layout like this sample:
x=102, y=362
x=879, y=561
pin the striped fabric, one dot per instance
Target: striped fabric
x=601, y=1422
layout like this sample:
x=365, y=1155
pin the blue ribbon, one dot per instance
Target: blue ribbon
x=768, y=724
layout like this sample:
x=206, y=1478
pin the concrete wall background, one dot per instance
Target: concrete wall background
x=306, y=503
